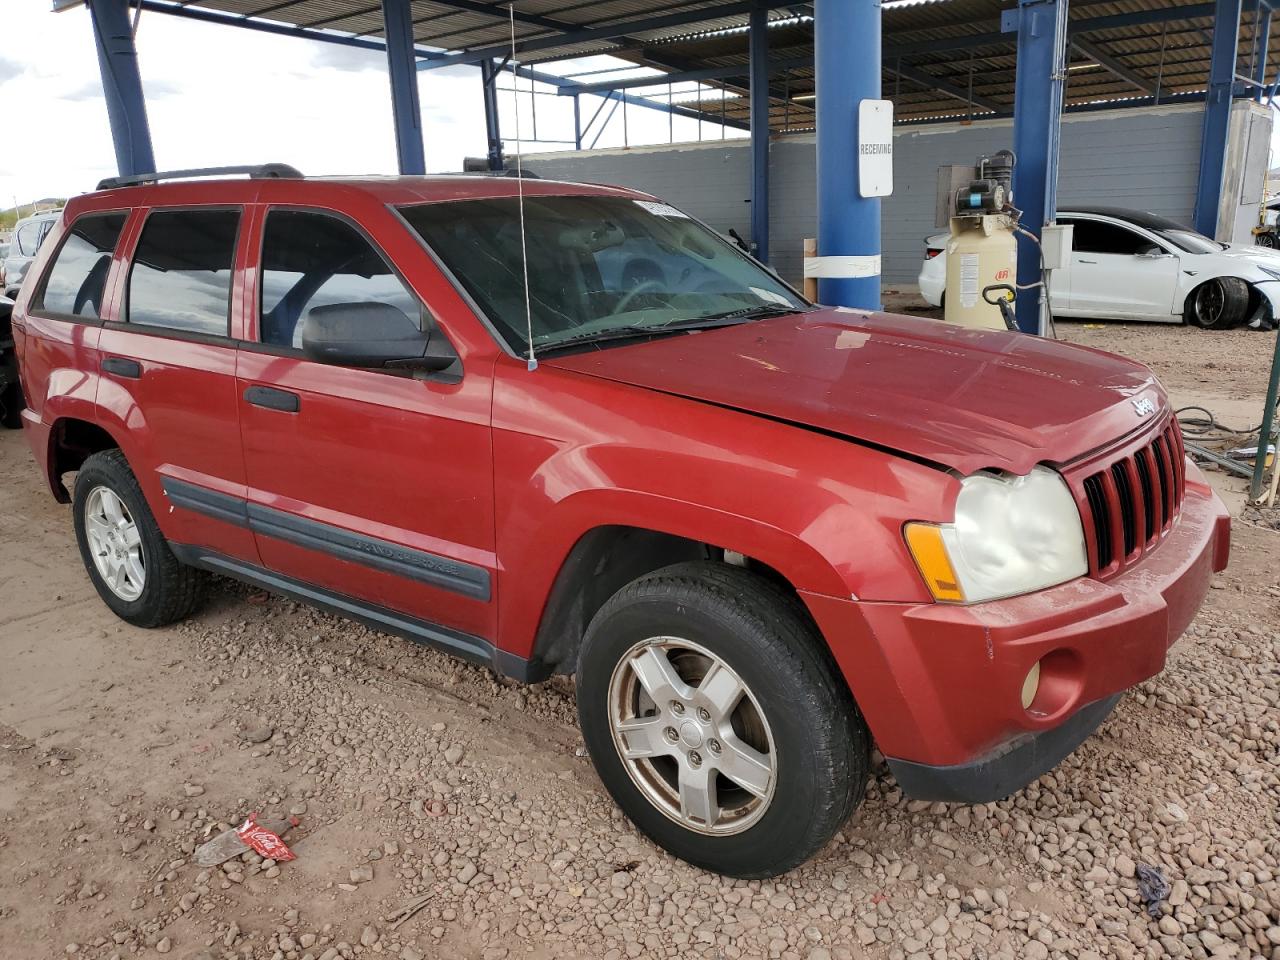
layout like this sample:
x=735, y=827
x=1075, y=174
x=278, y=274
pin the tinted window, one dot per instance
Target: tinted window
x=1094, y=236
x=78, y=277
x=181, y=275
x=596, y=264
x=313, y=260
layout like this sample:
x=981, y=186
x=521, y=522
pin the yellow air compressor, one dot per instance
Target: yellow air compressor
x=982, y=251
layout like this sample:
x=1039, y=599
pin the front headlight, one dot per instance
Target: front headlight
x=1011, y=535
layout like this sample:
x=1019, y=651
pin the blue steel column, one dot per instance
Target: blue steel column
x=1037, y=115
x=1217, y=114
x=1262, y=40
x=847, y=69
x=489, y=84
x=759, y=44
x=122, y=86
x=397, y=19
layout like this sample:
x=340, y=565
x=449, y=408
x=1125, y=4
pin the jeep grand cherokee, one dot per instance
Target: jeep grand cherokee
x=762, y=534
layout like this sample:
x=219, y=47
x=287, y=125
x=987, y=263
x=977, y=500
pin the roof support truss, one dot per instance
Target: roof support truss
x=623, y=31
x=1110, y=63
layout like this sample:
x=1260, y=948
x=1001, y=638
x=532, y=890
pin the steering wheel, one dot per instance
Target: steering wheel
x=633, y=293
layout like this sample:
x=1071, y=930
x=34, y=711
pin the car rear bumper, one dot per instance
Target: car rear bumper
x=933, y=284
x=941, y=685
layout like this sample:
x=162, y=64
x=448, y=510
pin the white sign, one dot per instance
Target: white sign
x=875, y=148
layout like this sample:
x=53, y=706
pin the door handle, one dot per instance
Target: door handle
x=270, y=398
x=121, y=367
x=1083, y=260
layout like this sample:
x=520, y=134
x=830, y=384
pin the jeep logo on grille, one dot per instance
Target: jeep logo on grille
x=1144, y=406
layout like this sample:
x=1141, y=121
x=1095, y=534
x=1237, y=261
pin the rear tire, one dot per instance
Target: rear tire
x=124, y=552
x=752, y=715
x=1218, y=304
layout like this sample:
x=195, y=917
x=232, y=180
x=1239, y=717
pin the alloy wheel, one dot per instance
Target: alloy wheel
x=691, y=736
x=1209, y=303
x=115, y=544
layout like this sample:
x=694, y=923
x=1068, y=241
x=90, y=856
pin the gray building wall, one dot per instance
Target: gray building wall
x=1138, y=157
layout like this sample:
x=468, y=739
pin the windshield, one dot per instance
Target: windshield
x=597, y=265
x=1184, y=238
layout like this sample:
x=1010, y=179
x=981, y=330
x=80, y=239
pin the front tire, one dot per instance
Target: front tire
x=1218, y=304
x=715, y=718
x=124, y=552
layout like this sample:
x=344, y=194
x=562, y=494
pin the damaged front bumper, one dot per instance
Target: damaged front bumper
x=1266, y=312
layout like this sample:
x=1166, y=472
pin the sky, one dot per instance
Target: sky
x=217, y=95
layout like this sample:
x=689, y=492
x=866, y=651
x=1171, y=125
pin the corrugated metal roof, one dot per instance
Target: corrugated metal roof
x=955, y=45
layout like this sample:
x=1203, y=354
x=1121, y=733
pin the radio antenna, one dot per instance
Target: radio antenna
x=524, y=246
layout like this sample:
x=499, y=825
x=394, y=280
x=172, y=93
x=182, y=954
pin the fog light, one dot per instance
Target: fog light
x=1031, y=686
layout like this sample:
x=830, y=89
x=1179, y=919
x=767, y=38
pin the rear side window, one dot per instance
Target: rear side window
x=78, y=278
x=181, y=274
x=312, y=260
x=1095, y=236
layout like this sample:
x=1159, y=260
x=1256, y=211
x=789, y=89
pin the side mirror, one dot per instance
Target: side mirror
x=372, y=334
x=1151, y=253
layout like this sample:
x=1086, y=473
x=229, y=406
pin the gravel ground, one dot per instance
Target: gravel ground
x=417, y=779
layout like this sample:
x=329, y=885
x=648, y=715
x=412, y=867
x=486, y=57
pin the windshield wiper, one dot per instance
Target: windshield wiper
x=756, y=312
x=637, y=331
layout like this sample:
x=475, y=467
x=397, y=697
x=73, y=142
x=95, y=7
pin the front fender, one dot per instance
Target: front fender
x=824, y=512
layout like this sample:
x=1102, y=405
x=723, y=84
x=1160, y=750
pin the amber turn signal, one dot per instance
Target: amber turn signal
x=930, y=554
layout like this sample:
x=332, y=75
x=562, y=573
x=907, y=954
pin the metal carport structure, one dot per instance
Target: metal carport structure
x=780, y=67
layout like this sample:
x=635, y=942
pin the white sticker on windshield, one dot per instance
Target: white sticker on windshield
x=662, y=209
x=769, y=296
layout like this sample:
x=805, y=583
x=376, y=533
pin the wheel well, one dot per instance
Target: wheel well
x=71, y=443
x=600, y=564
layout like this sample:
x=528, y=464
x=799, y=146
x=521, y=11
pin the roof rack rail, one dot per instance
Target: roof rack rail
x=259, y=171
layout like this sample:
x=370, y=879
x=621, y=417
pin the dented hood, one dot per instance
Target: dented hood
x=959, y=398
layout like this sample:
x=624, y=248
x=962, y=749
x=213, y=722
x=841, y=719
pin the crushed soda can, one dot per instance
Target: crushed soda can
x=263, y=837
x=265, y=842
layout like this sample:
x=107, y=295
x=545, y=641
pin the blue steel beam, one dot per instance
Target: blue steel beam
x=758, y=43
x=122, y=86
x=1037, y=113
x=397, y=24
x=1262, y=42
x=847, y=44
x=493, y=133
x=1217, y=114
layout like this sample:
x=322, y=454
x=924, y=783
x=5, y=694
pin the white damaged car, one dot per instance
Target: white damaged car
x=1129, y=265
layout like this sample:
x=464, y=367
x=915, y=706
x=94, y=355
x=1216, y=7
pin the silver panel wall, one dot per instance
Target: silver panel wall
x=1145, y=158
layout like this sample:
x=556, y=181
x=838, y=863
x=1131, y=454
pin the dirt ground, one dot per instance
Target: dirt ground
x=419, y=779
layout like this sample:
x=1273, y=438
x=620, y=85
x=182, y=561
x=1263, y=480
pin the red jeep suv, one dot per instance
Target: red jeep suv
x=564, y=428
